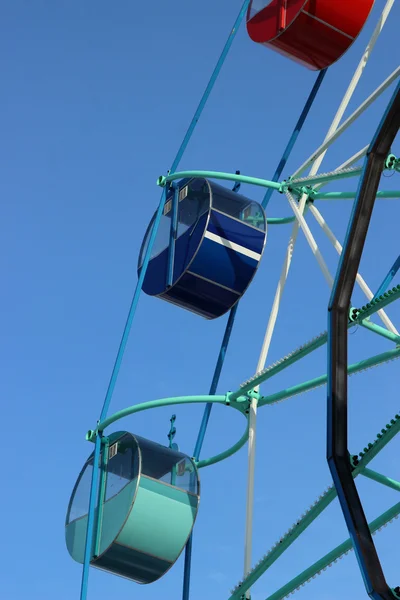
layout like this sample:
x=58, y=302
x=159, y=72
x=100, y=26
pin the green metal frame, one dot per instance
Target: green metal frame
x=331, y=557
x=240, y=400
x=295, y=186
x=240, y=404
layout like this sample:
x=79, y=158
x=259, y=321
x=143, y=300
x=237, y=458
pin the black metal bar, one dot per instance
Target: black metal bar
x=339, y=306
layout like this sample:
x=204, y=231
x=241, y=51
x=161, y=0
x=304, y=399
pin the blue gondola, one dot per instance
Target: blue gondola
x=208, y=247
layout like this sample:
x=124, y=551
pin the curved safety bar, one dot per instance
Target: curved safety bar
x=280, y=220
x=339, y=305
x=239, y=404
x=219, y=457
x=272, y=185
x=163, y=180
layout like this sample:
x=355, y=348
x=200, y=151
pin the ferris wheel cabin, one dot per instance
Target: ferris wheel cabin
x=147, y=505
x=207, y=250
x=313, y=33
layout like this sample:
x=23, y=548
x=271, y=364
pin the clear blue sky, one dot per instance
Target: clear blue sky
x=95, y=99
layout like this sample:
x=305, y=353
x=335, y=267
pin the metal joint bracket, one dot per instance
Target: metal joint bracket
x=354, y=460
x=241, y=403
x=392, y=163
x=91, y=435
x=353, y=314
x=299, y=191
x=285, y=186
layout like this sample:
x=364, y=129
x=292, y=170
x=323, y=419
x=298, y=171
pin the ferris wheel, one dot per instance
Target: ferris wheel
x=133, y=509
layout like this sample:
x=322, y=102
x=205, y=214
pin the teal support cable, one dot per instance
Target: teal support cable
x=389, y=277
x=175, y=163
x=132, y=310
x=210, y=84
x=295, y=134
x=204, y=424
x=206, y=416
x=102, y=492
x=91, y=514
x=201, y=436
x=107, y=400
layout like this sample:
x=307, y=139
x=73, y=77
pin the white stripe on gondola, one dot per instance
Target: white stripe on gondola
x=232, y=245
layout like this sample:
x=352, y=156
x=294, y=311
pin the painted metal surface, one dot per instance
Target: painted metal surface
x=146, y=512
x=313, y=33
x=124, y=551
x=339, y=307
x=135, y=299
x=220, y=238
x=384, y=437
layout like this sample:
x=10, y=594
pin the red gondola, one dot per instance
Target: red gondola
x=314, y=33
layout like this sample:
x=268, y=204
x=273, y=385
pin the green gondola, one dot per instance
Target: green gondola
x=147, y=505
